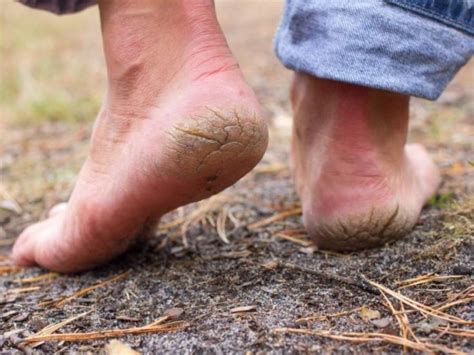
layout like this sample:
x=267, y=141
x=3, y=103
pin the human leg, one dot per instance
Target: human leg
x=179, y=124
x=360, y=184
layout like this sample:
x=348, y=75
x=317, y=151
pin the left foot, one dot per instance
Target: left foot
x=179, y=124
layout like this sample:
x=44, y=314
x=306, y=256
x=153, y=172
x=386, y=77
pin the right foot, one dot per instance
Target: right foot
x=360, y=185
x=179, y=124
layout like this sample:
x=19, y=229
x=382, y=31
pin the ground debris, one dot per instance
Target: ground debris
x=209, y=257
x=116, y=347
x=243, y=309
x=63, y=300
x=159, y=326
x=368, y=314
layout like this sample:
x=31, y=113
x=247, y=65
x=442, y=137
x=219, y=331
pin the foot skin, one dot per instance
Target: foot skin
x=179, y=124
x=361, y=186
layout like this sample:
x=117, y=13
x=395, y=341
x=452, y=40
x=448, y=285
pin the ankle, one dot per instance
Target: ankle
x=143, y=34
x=348, y=120
x=149, y=44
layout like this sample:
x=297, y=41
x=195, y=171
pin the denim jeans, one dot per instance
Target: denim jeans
x=413, y=47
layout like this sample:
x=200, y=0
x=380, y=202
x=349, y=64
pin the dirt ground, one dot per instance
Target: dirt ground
x=244, y=247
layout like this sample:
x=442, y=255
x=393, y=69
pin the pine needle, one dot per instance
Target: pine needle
x=220, y=225
x=371, y=337
x=279, y=216
x=47, y=276
x=54, y=327
x=294, y=239
x=23, y=289
x=84, y=291
x=425, y=279
x=424, y=309
x=9, y=269
x=110, y=333
x=465, y=333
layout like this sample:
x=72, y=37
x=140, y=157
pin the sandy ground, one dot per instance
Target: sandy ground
x=209, y=258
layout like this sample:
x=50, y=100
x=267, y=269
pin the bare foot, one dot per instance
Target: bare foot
x=179, y=124
x=360, y=185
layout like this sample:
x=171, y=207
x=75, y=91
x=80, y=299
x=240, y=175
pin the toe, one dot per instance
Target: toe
x=36, y=246
x=23, y=253
x=60, y=207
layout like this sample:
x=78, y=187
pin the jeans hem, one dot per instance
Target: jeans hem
x=371, y=43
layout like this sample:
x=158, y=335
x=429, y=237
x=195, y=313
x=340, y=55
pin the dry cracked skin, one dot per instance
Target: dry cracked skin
x=204, y=144
x=362, y=232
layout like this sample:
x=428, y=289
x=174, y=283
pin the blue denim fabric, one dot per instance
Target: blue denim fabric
x=456, y=13
x=378, y=44
x=60, y=7
x=414, y=47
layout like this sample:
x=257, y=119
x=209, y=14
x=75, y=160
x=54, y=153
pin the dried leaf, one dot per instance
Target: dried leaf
x=368, y=314
x=382, y=322
x=116, y=347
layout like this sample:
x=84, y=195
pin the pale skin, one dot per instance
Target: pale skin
x=179, y=124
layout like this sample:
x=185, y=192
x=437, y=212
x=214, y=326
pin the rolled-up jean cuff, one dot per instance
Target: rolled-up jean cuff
x=60, y=7
x=371, y=43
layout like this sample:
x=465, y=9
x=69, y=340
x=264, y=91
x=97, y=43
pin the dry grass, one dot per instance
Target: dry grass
x=49, y=65
x=213, y=211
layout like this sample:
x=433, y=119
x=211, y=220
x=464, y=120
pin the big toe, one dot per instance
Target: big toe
x=35, y=245
x=425, y=169
x=24, y=250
